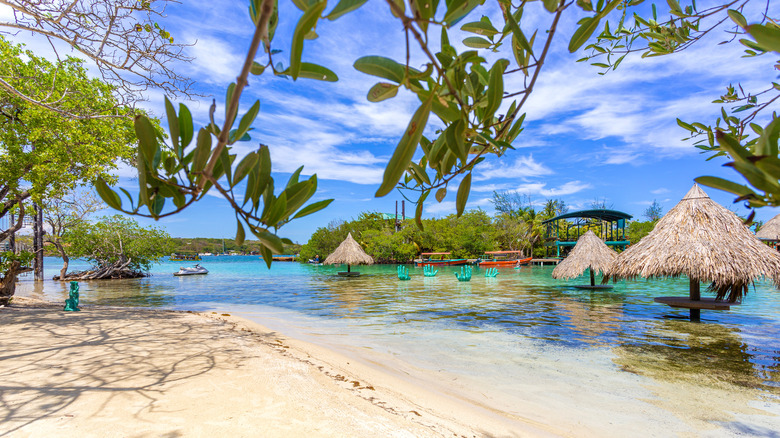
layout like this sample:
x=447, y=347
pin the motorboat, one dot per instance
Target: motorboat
x=194, y=270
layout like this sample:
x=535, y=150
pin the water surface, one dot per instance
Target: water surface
x=522, y=340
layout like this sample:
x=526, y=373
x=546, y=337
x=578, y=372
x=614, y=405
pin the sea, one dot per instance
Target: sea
x=601, y=362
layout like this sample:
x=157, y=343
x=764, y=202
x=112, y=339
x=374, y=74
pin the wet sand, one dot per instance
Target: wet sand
x=128, y=372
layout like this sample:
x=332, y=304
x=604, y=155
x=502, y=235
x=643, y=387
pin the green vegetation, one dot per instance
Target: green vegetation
x=517, y=226
x=43, y=153
x=117, y=247
x=200, y=245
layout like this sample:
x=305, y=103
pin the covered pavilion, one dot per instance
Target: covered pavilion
x=563, y=231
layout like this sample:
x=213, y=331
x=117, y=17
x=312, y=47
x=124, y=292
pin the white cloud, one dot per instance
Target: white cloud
x=523, y=167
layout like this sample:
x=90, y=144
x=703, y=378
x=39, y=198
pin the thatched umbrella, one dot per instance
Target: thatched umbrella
x=591, y=253
x=704, y=241
x=349, y=253
x=771, y=230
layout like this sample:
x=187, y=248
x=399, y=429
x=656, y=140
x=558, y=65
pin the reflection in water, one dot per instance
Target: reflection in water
x=703, y=354
x=739, y=347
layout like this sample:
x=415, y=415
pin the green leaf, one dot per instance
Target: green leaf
x=457, y=9
x=495, y=91
x=463, y=194
x=318, y=72
x=344, y=7
x=269, y=240
x=686, y=126
x=257, y=69
x=173, y=125
x=725, y=185
x=147, y=138
x=730, y=145
x=477, y=43
x=263, y=168
x=583, y=33
x=240, y=234
x=768, y=141
x=738, y=18
x=277, y=210
x=202, y=151
x=483, y=27
x=313, y=208
x=518, y=33
x=768, y=37
x=405, y=149
x=247, y=120
x=228, y=97
x=551, y=5
x=107, y=195
x=243, y=168
x=304, y=26
x=381, y=67
x=382, y=91
x=441, y=193
x=185, y=125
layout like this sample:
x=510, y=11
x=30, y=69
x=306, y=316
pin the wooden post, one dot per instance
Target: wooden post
x=592, y=277
x=694, y=295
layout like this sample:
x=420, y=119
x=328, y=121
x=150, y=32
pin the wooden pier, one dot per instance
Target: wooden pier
x=543, y=262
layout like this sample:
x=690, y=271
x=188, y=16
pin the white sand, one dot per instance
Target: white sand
x=134, y=373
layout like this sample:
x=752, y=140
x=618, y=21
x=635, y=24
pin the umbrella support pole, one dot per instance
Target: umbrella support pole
x=695, y=295
x=592, y=277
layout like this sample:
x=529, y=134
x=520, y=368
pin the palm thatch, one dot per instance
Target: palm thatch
x=770, y=230
x=349, y=253
x=590, y=252
x=704, y=241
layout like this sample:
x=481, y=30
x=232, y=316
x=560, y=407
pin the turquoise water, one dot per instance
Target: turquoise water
x=492, y=332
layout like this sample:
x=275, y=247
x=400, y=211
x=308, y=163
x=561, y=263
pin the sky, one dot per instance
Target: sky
x=588, y=138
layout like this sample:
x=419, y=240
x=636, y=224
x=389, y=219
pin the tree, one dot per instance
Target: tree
x=123, y=38
x=464, y=91
x=44, y=154
x=653, y=212
x=11, y=265
x=510, y=202
x=64, y=213
x=117, y=247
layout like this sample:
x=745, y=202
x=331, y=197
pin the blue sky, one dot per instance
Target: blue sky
x=587, y=137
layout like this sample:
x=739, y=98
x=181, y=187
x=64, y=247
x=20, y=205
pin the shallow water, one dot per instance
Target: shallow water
x=517, y=334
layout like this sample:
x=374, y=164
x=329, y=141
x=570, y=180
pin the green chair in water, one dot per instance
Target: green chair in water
x=491, y=272
x=403, y=273
x=465, y=274
x=72, y=303
x=428, y=271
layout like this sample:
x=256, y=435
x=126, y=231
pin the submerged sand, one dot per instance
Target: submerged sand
x=124, y=372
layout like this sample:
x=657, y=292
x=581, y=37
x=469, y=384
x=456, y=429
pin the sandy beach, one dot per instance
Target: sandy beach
x=125, y=372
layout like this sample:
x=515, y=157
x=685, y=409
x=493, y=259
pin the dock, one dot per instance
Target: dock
x=543, y=262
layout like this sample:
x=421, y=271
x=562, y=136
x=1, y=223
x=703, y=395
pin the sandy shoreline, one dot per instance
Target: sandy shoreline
x=109, y=371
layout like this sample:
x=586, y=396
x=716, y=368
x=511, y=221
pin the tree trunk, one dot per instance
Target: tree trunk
x=65, y=260
x=8, y=283
x=117, y=270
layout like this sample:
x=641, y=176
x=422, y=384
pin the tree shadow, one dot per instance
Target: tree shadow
x=50, y=359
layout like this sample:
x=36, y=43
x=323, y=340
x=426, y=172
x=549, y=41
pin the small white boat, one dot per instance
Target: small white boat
x=195, y=270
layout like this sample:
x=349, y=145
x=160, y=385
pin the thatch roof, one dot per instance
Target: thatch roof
x=589, y=252
x=349, y=253
x=770, y=230
x=704, y=241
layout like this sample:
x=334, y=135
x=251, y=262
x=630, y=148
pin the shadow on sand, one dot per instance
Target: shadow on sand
x=51, y=359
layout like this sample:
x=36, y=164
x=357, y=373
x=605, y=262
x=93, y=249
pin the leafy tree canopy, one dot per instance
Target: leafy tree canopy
x=117, y=243
x=43, y=153
x=123, y=38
